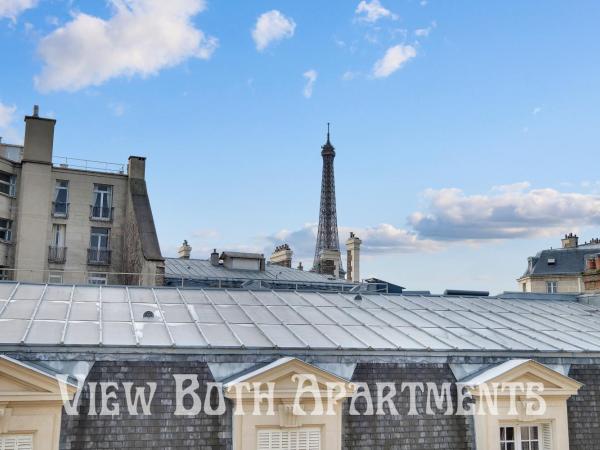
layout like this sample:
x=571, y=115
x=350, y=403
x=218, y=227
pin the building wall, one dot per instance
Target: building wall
x=161, y=430
x=584, y=408
x=404, y=431
x=566, y=284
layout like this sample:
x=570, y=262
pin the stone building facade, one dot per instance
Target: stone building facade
x=73, y=221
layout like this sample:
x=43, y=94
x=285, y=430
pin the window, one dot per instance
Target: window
x=58, y=251
x=97, y=278
x=524, y=287
x=99, y=251
x=55, y=278
x=8, y=184
x=551, y=287
x=102, y=202
x=5, y=229
x=5, y=273
x=16, y=442
x=289, y=439
x=60, y=207
x=525, y=437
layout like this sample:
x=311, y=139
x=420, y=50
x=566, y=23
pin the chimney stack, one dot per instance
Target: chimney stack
x=185, y=250
x=214, y=258
x=570, y=241
x=353, y=258
x=39, y=138
x=282, y=256
x=300, y=266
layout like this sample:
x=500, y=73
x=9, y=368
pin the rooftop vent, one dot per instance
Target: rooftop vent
x=358, y=297
x=148, y=315
x=466, y=293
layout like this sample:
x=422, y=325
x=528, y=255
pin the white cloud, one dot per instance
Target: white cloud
x=141, y=38
x=270, y=27
x=11, y=9
x=513, y=211
x=311, y=77
x=7, y=127
x=394, y=59
x=372, y=11
x=424, y=32
x=383, y=238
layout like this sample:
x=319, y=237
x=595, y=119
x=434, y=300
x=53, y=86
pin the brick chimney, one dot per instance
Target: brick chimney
x=185, y=250
x=570, y=241
x=214, y=258
x=282, y=256
x=353, y=258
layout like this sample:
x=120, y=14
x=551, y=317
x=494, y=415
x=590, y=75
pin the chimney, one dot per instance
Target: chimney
x=353, y=258
x=214, y=258
x=570, y=241
x=136, y=167
x=300, y=266
x=185, y=250
x=282, y=256
x=39, y=138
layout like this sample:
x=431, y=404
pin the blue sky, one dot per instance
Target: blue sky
x=466, y=133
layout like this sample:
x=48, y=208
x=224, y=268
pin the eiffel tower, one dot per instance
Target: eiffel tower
x=327, y=250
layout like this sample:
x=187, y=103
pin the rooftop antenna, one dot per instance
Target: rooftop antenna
x=327, y=131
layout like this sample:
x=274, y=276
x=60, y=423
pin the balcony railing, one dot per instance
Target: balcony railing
x=98, y=256
x=57, y=254
x=60, y=209
x=104, y=213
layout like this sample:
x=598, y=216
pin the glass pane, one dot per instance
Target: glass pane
x=6, y=289
x=219, y=297
x=510, y=433
x=168, y=296
x=269, y=298
x=233, y=314
x=525, y=433
x=219, y=335
x=116, y=312
x=117, y=334
x=82, y=333
x=29, y=292
x=176, y=313
x=313, y=315
x=194, y=296
x=251, y=336
x=45, y=332
x=287, y=314
x=53, y=310
x=11, y=330
x=58, y=293
x=85, y=311
x=244, y=298
x=260, y=314
x=22, y=309
x=534, y=433
x=282, y=336
x=186, y=334
x=141, y=295
x=86, y=294
x=341, y=336
x=152, y=334
x=371, y=338
x=205, y=314
x=139, y=309
x=311, y=336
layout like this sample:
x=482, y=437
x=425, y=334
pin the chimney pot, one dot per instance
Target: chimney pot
x=185, y=250
x=36, y=110
x=214, y=258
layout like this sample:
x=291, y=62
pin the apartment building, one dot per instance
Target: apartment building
x=73, y=221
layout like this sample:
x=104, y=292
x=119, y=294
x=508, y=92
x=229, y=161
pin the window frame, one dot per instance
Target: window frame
x=103, y=195
x=57, y=189
x=518, y=439
x=11, y=183
x=6, y=229
x=97, y=276
x=552, y=287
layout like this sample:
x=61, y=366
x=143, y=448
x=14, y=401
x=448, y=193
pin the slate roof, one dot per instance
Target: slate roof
x=62, y=315
x=203, y=269
x=569, y=261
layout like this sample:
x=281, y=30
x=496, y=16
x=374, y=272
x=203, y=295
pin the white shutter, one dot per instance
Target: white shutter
x=547, y=436
x=295, y=439
x=16, y=442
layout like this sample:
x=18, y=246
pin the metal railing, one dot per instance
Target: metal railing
x=60, y=209
x=98, y=256
x=57, y=254
x=103, y=213
x=88, y=164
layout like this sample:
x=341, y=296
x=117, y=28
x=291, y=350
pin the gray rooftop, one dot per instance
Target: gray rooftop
x=88, y=316
x=568, y=261
x=203, y=269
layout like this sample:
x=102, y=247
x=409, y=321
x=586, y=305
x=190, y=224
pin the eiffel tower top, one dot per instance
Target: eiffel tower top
x=328, y=149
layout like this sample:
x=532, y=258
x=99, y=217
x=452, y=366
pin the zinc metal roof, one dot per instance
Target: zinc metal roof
x=203, y=269
x=32, y=314
x=567, y=261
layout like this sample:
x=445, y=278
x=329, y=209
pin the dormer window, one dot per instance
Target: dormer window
x=551, y=261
